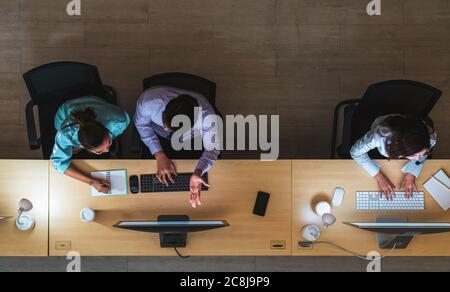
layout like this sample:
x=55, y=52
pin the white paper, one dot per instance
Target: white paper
x=117, y=180
x=438, y=187
x=443, y=178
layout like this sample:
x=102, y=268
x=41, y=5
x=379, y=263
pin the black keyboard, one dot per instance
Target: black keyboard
x=150, y=184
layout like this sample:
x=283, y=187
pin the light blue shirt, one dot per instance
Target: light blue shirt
x=377, y=138
x=115, y=119
x=148, y=121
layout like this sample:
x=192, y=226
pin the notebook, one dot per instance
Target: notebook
x=117, y=180
x=439, y=188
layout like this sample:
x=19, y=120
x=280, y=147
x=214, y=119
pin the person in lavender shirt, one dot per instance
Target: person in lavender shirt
x=156, y=108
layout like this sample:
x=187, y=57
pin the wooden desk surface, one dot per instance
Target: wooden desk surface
x=24, y=179
x=234, y=186
x=314, y=180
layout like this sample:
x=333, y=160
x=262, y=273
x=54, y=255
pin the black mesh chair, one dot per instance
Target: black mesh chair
x=185, y=81
x=49, y=87
x=389, y=97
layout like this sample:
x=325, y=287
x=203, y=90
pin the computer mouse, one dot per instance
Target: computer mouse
x=338, y=197
x=134, y=184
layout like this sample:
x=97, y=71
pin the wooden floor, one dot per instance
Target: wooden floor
x=224, y=264
x=296, y=58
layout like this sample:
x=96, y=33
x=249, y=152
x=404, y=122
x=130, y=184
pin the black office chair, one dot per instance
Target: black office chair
x=49, y=87
x=185, y=81
x=389, y=97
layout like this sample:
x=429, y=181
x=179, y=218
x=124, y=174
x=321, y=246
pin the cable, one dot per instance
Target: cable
x=311, y=244
x=179, y=254
x=20, y=216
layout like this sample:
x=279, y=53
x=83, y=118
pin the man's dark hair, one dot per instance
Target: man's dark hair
x=182, y=105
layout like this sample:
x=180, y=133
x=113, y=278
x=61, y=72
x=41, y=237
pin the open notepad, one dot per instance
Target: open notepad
x=439, y=187
x=117, y=179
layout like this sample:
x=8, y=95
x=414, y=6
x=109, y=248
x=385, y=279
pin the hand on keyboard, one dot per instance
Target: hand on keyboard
x=166, y=168
x=386, y=186
x=374, y=201
x=195, y=185
x=409, y=185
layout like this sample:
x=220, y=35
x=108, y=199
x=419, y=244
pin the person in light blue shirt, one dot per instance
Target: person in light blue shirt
x=395, y=137
x=87, y=123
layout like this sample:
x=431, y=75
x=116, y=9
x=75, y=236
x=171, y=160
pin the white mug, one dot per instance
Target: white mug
x=328, y=220
x=87, y=215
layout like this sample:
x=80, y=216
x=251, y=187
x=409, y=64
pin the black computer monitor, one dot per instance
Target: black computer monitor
x=172, y=229
x=397, y=232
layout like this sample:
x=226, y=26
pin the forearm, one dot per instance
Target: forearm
x=147, y=134
x=159, y=155
x=360, y=154
x=369, y=165
x=207, y=160
x=414, y=167
x=77, y=174
x=152, y=142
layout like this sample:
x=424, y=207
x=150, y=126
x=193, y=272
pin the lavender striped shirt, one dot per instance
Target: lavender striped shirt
x=148, y=121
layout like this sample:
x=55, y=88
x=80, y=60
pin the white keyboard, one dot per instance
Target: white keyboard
x=373, y=201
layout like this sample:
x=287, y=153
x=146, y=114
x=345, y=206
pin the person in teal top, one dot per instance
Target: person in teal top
x=87, y=123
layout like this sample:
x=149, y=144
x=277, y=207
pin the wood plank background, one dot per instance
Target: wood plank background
x=296, y=58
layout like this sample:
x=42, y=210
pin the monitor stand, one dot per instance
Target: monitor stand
x=173, y=239
x=387, y=241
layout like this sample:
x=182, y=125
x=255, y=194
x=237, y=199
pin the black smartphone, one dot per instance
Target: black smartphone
x=261, y=204
x=134, y=184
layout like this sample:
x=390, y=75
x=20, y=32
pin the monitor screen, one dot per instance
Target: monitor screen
x=402, y=225
x=170, y=223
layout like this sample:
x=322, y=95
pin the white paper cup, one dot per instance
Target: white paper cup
x=26, y=223
x=323, y=208
x=87, y=215
x=311, y=232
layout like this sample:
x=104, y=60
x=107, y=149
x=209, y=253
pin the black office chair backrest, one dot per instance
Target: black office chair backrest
x=62, y=81
x=392, y=97
x=53, y=84
x=185, y=81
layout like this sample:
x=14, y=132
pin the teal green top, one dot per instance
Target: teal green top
x=115, y=119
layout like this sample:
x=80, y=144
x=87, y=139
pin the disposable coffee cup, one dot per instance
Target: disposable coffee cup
x=25, y=223
x=311, y=232
x=87, y=215
x=323, y=208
